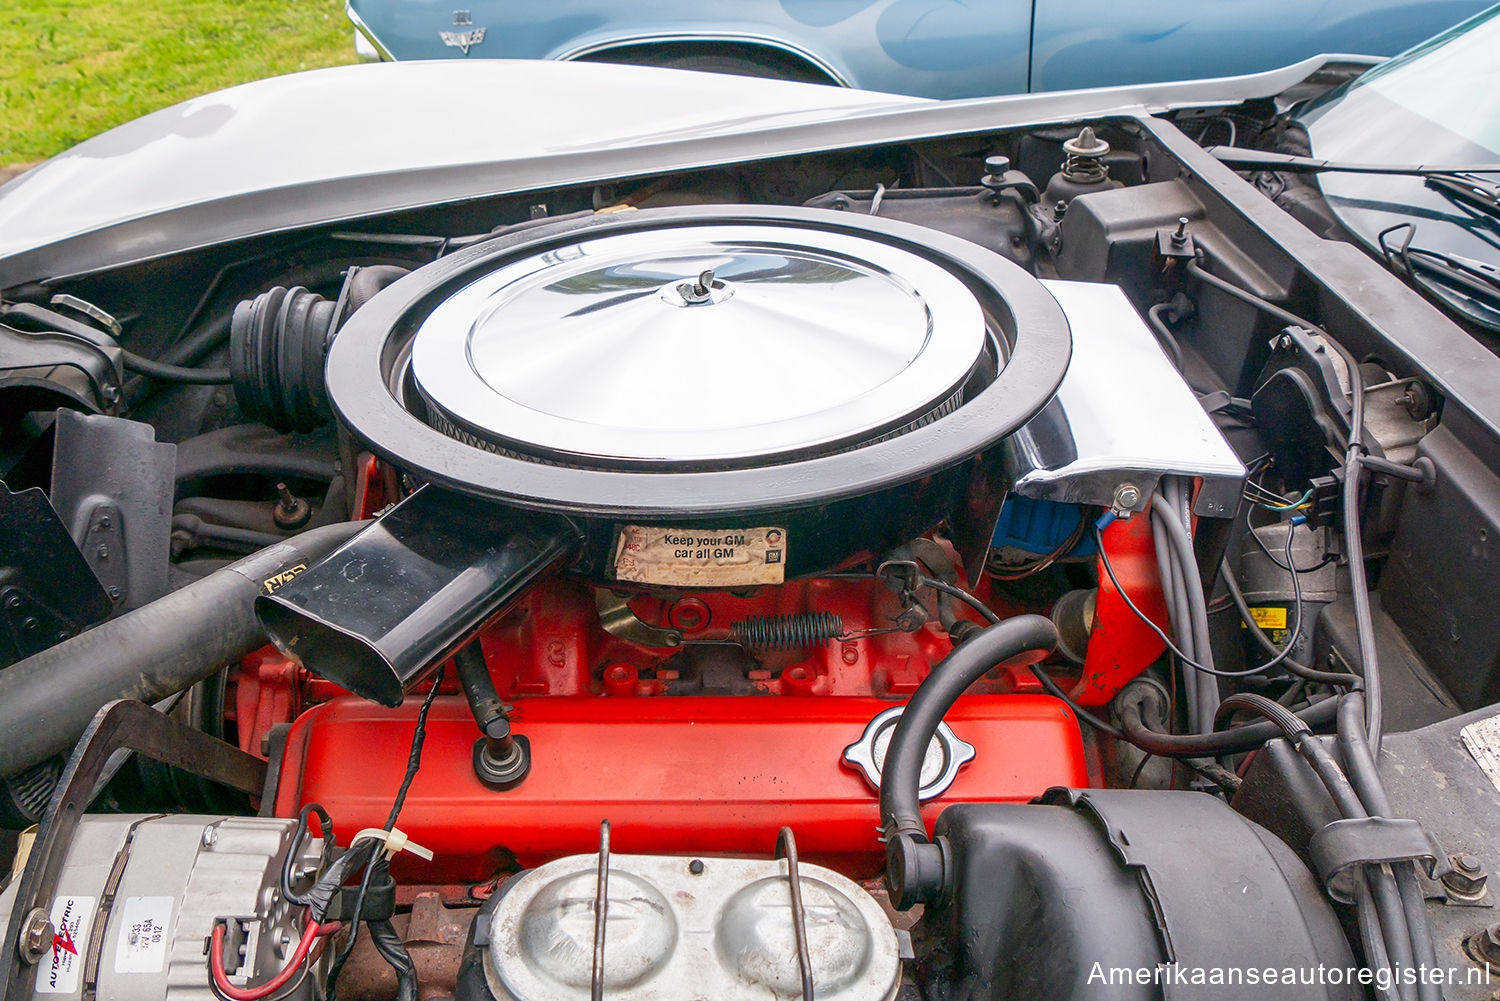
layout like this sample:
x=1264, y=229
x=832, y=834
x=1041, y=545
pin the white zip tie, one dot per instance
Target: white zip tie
x=395, y=841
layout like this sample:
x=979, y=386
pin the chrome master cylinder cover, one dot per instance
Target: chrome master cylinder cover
x=686, y=928
x=719, y=345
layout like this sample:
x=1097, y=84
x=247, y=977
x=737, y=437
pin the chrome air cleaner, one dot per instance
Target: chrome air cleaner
x=564, y=368
x=701, y=347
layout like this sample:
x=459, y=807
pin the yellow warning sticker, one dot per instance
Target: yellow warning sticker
x=1269, y=618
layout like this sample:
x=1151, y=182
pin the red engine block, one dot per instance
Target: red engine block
x=706, y=753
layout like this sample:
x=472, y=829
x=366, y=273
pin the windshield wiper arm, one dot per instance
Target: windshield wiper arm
x=1457, y=183
x=1450, y=278
x=1262, y=159
x=1482, y=196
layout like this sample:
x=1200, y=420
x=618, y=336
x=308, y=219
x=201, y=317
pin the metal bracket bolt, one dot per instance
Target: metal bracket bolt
x=1127, y=499
x=36, y=936
x=1467, y=879
x=1484, y=945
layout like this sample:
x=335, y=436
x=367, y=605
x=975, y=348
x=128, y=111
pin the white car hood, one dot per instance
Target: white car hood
x=338, y=144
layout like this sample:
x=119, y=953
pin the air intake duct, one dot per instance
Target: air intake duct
x=279, y=340
x=408, y=591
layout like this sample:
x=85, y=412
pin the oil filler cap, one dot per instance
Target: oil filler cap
x=946, y=754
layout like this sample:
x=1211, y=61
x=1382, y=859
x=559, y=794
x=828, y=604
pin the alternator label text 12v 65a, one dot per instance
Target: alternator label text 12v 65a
x=701, y=557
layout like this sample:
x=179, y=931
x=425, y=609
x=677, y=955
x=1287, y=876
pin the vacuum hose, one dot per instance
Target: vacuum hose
x=155, y=651
x=914, y=869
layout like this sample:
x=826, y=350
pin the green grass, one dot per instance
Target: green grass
x=70, y=70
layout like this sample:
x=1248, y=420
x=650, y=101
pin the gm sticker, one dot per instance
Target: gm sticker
x=62, y=965
x=701, y=557
x=143, y=935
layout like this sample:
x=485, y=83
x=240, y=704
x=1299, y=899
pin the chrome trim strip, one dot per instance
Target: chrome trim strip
x=369, y=36
x=750, y=38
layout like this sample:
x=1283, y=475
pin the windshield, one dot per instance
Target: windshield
x=1436, y=103
x=1451, y=83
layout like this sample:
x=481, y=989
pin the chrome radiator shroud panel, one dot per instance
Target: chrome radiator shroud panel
x=1123, y=415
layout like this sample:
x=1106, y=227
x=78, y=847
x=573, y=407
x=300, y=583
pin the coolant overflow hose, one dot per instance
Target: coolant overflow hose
x=154, y=651
x=1015, y=642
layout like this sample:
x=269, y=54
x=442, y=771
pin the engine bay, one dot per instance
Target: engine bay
x=917, y=571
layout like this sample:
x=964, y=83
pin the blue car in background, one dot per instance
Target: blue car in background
x=927, y=48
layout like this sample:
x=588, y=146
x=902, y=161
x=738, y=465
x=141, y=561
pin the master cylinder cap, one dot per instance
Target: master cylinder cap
x=686, y=927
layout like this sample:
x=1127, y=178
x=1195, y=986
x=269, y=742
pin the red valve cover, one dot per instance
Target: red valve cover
x=688, y=775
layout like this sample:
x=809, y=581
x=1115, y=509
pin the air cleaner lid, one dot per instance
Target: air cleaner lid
x=714, y=343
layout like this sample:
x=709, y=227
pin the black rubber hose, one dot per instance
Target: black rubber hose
x=162, y=372
x=1208, y=745
x=1164, y=335
x=154, y=651
x=1383, y=889
x=1364, y=773
x=1018, y=641
x=364, y=283
x=1300, y=735
x=1389, y=905
x=478, y=686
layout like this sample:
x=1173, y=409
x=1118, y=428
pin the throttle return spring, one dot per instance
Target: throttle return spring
x=787, y=632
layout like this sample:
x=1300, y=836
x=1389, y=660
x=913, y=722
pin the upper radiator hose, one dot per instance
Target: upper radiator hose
x=914, y=868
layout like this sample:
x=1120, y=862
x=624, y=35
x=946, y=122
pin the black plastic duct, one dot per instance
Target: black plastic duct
x=1057, y=898
x=277, y=342
x=412, y=588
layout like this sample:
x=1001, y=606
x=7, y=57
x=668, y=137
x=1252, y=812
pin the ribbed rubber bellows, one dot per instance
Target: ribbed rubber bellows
x=277, y=343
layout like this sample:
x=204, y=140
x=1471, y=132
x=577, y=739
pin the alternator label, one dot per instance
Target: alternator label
x=62, y=963
x=143, y=935
x=701, y=557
